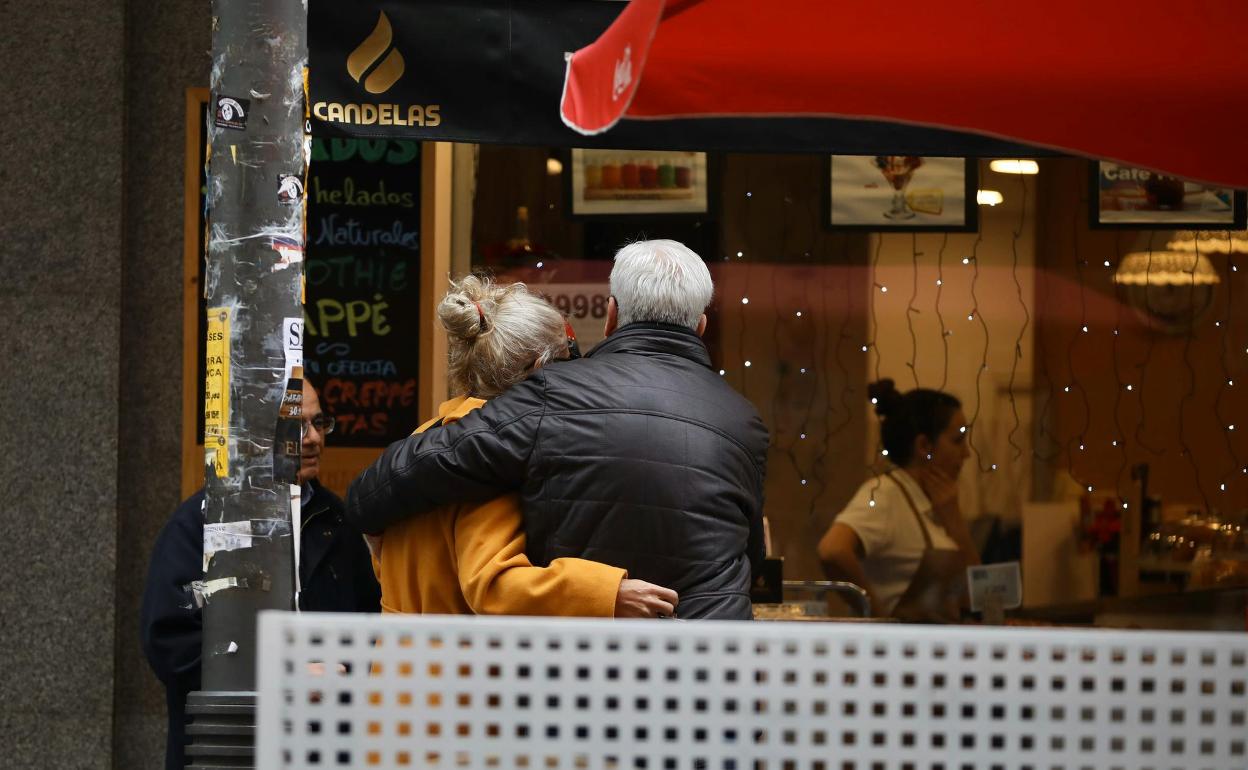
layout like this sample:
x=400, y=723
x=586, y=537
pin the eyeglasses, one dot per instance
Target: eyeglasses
x=323, y=423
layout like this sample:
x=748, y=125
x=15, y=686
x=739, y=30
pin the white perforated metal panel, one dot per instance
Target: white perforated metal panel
x=434, y=691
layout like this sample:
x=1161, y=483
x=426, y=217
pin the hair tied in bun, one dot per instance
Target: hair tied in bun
x=884, y=396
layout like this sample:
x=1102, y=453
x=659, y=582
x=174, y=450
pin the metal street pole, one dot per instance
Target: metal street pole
x=253, y=284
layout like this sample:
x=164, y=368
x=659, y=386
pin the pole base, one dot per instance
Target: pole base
x=221, y=729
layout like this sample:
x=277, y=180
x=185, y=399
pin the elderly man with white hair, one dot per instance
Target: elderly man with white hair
x=639, y=455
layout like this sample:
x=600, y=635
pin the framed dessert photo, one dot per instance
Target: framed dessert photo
x=1126, y=197
x=637, y=183
x=901, y=193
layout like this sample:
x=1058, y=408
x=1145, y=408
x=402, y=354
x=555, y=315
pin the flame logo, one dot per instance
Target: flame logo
x=369, y=53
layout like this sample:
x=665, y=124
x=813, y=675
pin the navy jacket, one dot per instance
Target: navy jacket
x=639, y=456
x=335, y=573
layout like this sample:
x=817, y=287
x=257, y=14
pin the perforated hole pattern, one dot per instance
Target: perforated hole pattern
x=410, y=691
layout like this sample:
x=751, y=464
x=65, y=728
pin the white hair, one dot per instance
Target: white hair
x=660, y=282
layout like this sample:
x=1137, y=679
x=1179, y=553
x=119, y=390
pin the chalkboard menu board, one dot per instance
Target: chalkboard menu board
x=361, y=328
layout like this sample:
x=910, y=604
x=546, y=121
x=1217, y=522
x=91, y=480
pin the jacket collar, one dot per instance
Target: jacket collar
x=655, y=339
x=314, y=504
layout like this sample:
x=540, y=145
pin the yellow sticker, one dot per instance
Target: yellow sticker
x=217, y=392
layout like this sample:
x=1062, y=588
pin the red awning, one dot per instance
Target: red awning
x=1153, y=83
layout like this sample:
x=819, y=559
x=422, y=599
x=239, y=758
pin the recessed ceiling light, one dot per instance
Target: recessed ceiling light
x=988, y=197
x=1014, y=166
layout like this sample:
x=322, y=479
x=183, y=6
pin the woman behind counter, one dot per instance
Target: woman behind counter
x=902, y=537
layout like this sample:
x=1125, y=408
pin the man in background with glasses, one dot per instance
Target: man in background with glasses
x=335, y=575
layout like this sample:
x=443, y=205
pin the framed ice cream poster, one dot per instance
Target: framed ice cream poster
x=637, y=182
x=902, y=193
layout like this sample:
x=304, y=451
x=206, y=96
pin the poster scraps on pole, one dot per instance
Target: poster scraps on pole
x=292, y=346
x=362, y=262
x=289, y=252
x=217, y=391
x=296, y=522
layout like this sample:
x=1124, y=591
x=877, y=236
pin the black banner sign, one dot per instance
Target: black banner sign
x=492, y=71
x=361, y=326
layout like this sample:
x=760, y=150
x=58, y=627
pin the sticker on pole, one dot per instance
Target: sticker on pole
x=289, y=252
x=289, y=188
x=217, y=392
x=292, y=345
x=231, y=113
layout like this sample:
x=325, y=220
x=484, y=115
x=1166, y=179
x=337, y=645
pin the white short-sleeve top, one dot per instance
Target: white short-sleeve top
x=892, y=542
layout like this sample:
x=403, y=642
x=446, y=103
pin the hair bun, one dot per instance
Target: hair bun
x=885, y=396
x=462, y=316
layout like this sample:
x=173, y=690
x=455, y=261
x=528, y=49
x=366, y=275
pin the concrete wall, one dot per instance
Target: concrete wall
x=61, y=236
x=90, y=251
x=167, y=51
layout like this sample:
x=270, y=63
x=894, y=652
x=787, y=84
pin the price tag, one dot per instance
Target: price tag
x=996, y=584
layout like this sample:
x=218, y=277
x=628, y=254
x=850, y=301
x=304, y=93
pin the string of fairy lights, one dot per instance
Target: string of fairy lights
x=977, y=315
x=1150, y=349
x=1118, y=441
x=911, y=310
x=1185, y=451
x=1080, y=437
x=826, y=405
x=940, y=318
x=1016, y=236
x=1228, y=381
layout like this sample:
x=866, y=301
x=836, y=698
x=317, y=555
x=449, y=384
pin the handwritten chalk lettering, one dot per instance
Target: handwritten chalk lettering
x=393, y=151
x=356, y=315
x=351, y=424
x=349, y=195
x=352, y=272
x=378, y=367
x=343, y=395
x=333, y=349
x=336, y=232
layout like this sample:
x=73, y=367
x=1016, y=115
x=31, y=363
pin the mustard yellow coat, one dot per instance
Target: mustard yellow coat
x=470, y=559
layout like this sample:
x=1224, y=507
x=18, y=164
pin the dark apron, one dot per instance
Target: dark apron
x=938, y=585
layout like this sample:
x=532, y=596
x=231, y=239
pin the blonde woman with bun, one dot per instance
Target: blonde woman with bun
x=465, y=559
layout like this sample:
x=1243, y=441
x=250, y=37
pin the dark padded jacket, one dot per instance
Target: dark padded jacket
x=335, y=573
x=639, y=456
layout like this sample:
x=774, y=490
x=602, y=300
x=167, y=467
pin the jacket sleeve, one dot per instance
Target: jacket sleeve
x=477, y=458
x=498, y=579
x=170, y=627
